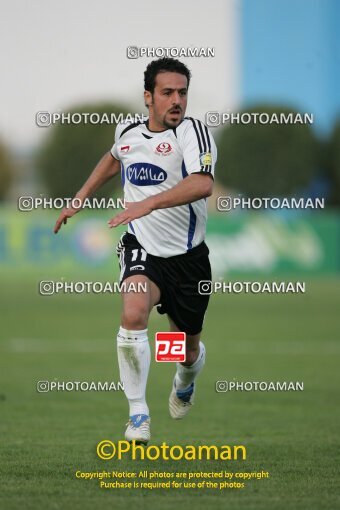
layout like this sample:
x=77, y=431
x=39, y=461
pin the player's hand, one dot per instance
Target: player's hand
x=132, y=211
x=66, y=213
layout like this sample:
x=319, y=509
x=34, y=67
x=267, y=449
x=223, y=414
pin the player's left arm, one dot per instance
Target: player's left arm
x=194, y=187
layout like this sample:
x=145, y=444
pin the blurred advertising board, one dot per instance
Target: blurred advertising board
x=256, y=243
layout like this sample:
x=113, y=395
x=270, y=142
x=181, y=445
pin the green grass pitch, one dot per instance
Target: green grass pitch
x=46, y=437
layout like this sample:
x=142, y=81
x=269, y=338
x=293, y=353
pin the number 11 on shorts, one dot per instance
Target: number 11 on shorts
x=170, y=346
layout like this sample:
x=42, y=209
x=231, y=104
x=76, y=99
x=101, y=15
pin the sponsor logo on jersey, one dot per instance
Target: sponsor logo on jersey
x=125, y=148
x=205, y=158
x=145, y=174
x=139, y=267
x=163, y=149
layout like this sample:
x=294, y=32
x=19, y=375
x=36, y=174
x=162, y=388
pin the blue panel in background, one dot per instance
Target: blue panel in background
x=291, y=56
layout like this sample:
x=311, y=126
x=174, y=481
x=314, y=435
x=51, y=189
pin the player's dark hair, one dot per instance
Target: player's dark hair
x=163, y=65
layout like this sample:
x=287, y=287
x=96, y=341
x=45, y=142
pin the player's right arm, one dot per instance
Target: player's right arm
x=107, y=168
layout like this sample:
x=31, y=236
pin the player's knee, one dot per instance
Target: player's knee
x=135, y=318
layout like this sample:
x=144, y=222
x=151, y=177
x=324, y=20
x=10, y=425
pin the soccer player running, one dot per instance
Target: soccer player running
x=167, y=167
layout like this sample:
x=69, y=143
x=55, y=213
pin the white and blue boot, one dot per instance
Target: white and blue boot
x=180, y=401
x=138, y=429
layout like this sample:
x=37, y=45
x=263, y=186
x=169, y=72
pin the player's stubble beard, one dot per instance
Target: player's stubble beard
x=162, y=120
x=173, y=123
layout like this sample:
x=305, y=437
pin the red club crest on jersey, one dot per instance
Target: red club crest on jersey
x=163, y=149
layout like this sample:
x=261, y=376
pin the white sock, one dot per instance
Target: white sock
x=134, y=362
x=185, y=375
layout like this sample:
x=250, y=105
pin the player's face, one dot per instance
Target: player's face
x=168, y=103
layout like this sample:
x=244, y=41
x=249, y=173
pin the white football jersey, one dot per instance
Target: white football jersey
x=152, y=162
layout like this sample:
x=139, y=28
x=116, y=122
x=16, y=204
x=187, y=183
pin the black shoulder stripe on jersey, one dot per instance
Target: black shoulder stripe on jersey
x=202, y=134
x=203, y=137
x=204, y=142
x=208, y=137
x=207, y=168
x=135, y=124
x=196, y=131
